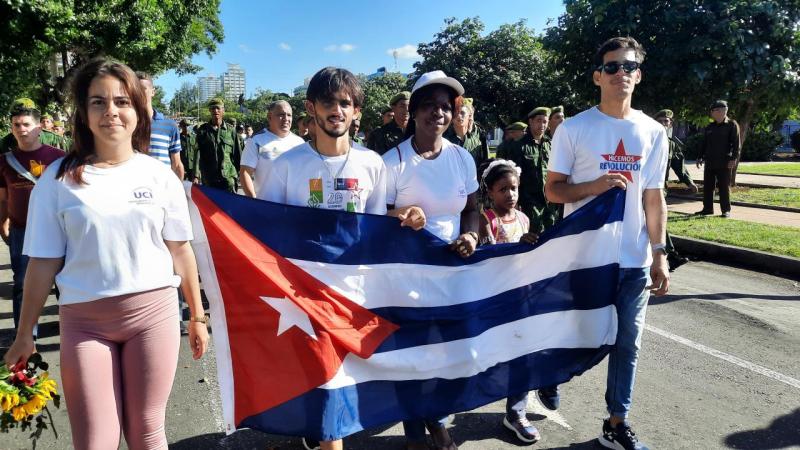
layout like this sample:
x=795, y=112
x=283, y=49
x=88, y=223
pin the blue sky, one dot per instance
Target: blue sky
x=281, y=43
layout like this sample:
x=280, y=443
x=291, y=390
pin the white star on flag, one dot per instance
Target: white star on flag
x=290, y=316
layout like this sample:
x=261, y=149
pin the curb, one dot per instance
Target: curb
x=768, y=174
x=744, y=204
x=738, y=256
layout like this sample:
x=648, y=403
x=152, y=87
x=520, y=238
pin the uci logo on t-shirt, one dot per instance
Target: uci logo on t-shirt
x=142, y=196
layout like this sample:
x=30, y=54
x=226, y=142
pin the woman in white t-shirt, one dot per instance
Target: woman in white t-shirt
x=111, y=226
x=430, y=172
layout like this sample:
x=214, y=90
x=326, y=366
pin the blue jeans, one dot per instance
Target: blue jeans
x=415, y=429
x=631, y=308
x=19, y=265
x=516, y=405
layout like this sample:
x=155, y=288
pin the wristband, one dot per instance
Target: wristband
x=659, y=248
x=201, y=319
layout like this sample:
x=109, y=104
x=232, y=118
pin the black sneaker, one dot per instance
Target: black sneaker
x=704, y=212
x=310, y=444
x=620, y=437
x=549, y=397
x=726, y=215
x=523, y=429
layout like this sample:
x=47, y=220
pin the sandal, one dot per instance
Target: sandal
x=442, y=440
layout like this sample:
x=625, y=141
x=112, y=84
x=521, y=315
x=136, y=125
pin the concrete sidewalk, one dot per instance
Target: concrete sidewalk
x=743, y=178
x=758, y=215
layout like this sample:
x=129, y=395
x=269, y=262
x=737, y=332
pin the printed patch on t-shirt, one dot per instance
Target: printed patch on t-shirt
x=346, y=184
x=621, y=162
x=37, y=168
x=142, y=196
x=315, y=193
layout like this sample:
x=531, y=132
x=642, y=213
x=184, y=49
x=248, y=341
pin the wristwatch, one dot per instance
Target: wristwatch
x=659, y=248
x=201, y=319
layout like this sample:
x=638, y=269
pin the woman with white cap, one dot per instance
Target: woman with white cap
x=428, y=171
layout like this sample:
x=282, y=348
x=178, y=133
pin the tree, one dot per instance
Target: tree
x=185, y=99
x=158, y=99
x=507, y=71
x=745, y=51
x=148, y=36
x=378, y=91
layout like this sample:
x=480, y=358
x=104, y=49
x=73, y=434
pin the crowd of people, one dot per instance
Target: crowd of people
x=108, y=222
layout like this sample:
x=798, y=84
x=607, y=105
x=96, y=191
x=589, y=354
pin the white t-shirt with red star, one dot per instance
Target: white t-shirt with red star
x=593, y=144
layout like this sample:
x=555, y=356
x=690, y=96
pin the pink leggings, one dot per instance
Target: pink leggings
x=118, y=360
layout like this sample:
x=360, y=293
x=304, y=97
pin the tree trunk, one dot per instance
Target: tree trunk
x=744, y=129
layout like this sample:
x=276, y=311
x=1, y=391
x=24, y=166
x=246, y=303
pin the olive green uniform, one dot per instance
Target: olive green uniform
x=219, y=152
x=532, y=158
x=189, y=156
x=676, y=162
x=472, y=142
x=384, y=138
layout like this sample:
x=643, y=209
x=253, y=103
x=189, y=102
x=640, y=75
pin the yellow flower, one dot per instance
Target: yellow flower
x=46, y=386
x=8, y=401
x=35, y=404
x=19, y=413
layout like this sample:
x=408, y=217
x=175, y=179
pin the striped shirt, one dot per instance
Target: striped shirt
x=164, y=138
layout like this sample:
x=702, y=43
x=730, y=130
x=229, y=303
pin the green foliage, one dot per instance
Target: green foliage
x=795, y=141
x=147, y=35
x=158, y=99
x=507, y=72
x=377, y=93
x=761, y=145
x=745, y=51
x=185, y=100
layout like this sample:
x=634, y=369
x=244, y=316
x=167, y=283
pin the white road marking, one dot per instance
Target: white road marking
x=535, y=407
x=727, y=357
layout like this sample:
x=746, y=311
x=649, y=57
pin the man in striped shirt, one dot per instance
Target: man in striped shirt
x=165, y=140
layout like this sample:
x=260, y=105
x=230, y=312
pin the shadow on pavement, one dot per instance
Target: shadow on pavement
x=781, y=433
x=590, y=444
x=721, y=296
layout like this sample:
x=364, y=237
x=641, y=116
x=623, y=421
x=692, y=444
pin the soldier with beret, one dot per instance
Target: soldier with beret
x=512, y=133
x=388, y=136
x=189, y=155
x=555, y=119
x=676, y=156
x=219, y=149
x=719, y=151
x=532, y=153
x=387, y=115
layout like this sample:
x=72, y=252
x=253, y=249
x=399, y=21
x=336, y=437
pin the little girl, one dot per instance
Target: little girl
x=503, y=222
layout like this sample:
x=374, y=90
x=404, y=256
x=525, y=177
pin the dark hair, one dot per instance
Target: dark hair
x=144, y=76
x=497, y=173
x=617, y=43
x=424, y=93
x=330, y=80
x=83, y=140
x=34, y=113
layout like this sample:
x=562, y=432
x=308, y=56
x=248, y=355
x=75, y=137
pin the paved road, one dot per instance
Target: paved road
x=720, y=368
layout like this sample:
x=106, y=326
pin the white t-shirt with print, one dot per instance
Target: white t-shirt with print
x=263, y=148
x=439, y=186
x=302, y=177
x=593, y=144
x=110, y=231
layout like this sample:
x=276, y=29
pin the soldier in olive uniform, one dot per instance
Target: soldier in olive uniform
x=465, y=133
x=512, y=133
x=219, y=150
x=45, y=137
x=532, y=153
x=719, y=152
x=390, y=135
x=189, y=154
x=676, y=156
x=555, y=119
x=355, y=125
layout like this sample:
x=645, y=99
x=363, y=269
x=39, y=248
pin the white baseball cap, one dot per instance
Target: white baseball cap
x=437, y=77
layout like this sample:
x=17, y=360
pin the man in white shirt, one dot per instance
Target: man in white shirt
x=262, y=149
x=608, y=146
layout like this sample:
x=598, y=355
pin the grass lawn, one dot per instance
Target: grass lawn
x=776, y=168
x=757, y=236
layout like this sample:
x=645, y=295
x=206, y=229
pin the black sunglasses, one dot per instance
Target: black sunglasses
x=613, y=67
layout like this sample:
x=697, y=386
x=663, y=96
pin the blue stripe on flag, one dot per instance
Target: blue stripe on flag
x=363, y=239
x=354, y=408
x=583, y=289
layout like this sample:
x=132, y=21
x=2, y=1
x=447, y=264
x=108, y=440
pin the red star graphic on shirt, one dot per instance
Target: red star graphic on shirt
x=621, y=157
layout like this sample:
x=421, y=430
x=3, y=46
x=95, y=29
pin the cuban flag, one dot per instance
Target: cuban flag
x=326, y=323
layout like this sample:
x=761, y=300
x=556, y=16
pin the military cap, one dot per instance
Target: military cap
x=556, y=110
x=357, y=116
x=216, y=101
x=386, y=109
x=540, y=111
x=664, y=113
x=405, y=95
x=46, y=116
x=22, y=104
x=719, y=104
x=517, y=126
x=468, y=101
x=58, y=123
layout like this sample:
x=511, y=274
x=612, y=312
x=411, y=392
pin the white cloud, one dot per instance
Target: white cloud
x=245, y=49
x=407, y=51
x=284, y=46
x=344, y=48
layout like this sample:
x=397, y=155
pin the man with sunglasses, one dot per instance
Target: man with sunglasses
x=615, y=146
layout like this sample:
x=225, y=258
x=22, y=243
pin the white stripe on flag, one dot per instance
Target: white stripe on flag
x=426, y=286
x=469, y=357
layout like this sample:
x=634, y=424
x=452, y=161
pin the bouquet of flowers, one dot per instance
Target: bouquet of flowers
x=24, y=394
